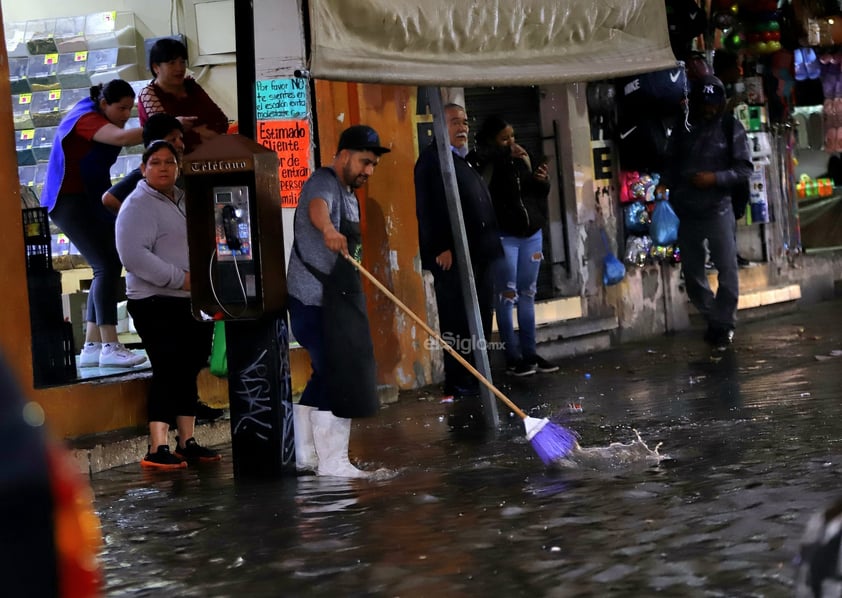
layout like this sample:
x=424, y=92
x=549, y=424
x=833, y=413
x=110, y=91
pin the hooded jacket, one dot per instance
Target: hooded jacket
x=705, y=147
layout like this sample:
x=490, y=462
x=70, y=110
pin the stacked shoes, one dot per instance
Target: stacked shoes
x=108, y=355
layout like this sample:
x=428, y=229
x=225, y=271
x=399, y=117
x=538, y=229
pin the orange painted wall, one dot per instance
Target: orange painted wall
x=390, y=233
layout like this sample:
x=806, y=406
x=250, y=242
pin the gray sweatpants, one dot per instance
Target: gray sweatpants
x=720, y=230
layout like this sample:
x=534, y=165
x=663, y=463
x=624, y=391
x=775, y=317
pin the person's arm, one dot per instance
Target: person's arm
x=117, y=194
x=147, y=103
x=434, y=235
x=114, y=135
x=319, y=214
x=741, y=167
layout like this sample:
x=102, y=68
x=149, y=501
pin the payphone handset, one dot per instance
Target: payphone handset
x=233, y=223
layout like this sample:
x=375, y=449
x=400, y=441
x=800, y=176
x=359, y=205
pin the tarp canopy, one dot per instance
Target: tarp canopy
x=486, y=42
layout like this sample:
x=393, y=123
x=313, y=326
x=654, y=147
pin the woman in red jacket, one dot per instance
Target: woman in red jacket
x=173, y=92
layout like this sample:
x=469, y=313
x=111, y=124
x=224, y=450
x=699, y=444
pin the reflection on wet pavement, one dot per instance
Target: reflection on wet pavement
x=752, y=438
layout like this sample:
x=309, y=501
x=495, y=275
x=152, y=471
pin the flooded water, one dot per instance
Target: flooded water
x=751, y=446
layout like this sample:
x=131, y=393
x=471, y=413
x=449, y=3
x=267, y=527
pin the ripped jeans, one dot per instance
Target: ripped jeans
x=517, y=275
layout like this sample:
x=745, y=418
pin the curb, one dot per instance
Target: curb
x=102, y=453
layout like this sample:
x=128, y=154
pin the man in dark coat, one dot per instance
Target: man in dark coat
x=438, y=249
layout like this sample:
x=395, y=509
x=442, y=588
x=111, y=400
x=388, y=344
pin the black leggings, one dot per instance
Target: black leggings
x=178, y=347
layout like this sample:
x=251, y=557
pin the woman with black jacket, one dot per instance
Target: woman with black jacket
x=519, y=195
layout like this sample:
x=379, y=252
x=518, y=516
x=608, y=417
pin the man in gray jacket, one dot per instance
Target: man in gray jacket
x=703, y=168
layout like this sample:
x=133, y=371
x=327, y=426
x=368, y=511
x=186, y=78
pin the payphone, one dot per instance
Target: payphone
x=234, y=228
x=237, y=274
x=232, y=277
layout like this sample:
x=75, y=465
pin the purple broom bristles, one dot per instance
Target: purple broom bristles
x=552, y=442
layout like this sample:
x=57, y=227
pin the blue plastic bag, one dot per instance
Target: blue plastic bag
x=613, y=270
x=636, y=218
x=664, y=226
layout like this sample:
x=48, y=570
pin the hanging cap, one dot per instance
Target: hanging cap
x=361, y=138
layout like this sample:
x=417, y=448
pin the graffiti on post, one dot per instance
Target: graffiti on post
x=285, y=392
x=254, y=390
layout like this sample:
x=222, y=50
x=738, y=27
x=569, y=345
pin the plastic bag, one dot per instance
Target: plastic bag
x=613, y=269
x=664, y=227
x=636, y=218
x=219, y=351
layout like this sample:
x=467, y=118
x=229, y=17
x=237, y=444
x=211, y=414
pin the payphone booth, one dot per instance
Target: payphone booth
x=237, y=274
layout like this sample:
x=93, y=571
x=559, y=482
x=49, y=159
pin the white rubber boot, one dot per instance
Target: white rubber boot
x=305, y=450
x=331, y=435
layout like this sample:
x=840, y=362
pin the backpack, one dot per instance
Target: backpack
x=741, y=192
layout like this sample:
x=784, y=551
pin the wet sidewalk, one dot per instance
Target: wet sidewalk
x=754, y=446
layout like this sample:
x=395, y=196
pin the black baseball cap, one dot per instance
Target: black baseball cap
x=361, y=138
x=711, y=90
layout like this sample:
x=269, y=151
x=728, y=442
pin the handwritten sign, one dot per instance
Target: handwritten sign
x=281, y=98
x=290, y=139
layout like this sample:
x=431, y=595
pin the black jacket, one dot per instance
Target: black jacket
x=520, y=201
x=434, y=230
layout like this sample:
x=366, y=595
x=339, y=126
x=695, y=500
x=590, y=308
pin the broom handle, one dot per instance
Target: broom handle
x=453, y=352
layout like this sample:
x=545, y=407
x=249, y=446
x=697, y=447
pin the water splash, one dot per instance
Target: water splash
x=616, y=455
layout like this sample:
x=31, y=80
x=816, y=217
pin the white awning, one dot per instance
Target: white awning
x=486, y=42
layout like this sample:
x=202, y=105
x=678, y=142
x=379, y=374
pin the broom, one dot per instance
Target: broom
x=552, y=442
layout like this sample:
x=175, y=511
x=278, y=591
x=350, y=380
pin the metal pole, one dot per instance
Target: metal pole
x=463, y=257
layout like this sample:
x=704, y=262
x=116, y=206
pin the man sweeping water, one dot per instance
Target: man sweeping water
x=327, y=307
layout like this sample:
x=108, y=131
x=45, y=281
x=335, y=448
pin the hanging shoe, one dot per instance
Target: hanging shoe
x=305, y=451
x=331, y=435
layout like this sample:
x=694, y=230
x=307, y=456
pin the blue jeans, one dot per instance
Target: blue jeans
x=517, y=273
x=90, y=227
x=720, y=310
x=307, y=327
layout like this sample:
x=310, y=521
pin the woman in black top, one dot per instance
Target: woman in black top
x=519, y=195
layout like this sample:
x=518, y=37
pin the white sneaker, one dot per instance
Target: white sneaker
x=115, y=355
x=89, y=356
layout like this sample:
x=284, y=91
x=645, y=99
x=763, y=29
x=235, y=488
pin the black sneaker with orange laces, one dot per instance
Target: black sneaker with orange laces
x=162, y=459
x=194, y=453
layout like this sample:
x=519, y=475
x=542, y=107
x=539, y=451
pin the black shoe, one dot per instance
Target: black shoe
x=725, y=339
x=541, y=364
x=742, y=262
x=520, y=368
x=206, y=413
x=720, y=338
x=194, y=453
x=162, y=459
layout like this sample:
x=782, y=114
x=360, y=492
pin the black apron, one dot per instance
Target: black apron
x=349, y=350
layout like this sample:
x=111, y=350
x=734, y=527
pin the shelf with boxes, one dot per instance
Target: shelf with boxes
x=53, y=62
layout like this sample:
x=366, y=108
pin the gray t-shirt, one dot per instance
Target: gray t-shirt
x=322, y=184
